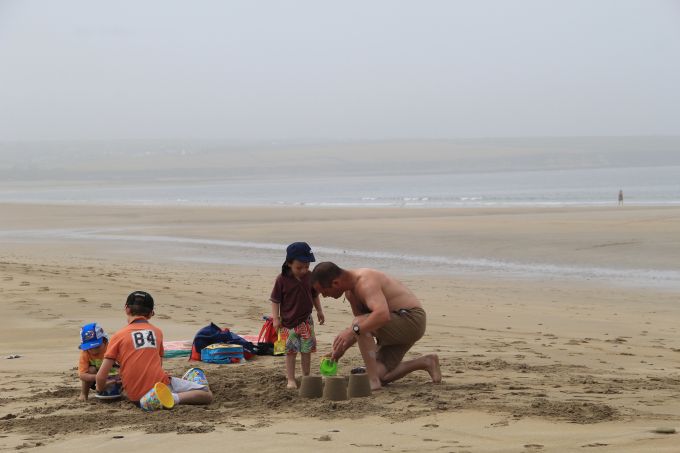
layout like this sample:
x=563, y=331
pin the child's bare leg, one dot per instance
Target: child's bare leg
x=306, y=361
x=196, y=397
x=290, y=370
x=84, y=390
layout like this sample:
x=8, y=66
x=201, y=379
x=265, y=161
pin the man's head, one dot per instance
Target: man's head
x=140, y=303
x=326, y=279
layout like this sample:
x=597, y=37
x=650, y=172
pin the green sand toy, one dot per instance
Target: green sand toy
x=328, y=367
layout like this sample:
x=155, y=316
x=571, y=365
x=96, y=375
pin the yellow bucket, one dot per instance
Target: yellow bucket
x=158, y=397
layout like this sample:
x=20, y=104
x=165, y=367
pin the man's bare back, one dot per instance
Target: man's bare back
x=396, y=294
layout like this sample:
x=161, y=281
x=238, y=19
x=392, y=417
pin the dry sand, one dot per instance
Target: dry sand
x=528, y=364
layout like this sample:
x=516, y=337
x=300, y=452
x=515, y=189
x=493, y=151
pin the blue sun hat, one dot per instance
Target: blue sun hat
x=91, y=336
x=300, y=251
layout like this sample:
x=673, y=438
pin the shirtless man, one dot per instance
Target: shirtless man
x=383, y=308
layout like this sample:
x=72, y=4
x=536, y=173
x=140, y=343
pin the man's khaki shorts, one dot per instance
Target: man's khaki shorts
x=398, y=336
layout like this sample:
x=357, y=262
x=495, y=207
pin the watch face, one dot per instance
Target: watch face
x=355, y=327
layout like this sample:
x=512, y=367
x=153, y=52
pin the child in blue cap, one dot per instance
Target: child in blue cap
x=92, y=348
x=293, y=299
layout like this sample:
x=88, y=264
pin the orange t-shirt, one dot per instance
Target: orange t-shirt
x=138, y=348
x=89, y=358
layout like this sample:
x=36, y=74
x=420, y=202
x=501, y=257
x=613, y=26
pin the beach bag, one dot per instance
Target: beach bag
x=266, y=338
x=212, y=334
x=222, y=353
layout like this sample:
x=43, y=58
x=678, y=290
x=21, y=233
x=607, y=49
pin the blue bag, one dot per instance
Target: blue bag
x=222, y=353
x=212, y=334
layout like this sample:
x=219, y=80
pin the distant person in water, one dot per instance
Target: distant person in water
x=620, y=197
x=386, y=311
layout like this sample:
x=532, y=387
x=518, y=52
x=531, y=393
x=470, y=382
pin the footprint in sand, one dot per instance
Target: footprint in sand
x=25, y=284
x=43, y=289
x=8, y=279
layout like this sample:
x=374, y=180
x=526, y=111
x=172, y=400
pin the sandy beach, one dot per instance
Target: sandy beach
x=531, y=361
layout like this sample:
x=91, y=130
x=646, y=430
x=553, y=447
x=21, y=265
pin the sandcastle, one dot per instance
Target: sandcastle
x=311, y=387
x=359, y=386
x=335, y=388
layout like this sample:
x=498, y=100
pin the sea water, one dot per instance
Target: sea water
x=547, y=188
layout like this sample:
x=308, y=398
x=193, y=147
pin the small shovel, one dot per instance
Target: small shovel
x=279, y=345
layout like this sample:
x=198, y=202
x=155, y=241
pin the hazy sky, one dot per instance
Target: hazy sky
x=241, y=70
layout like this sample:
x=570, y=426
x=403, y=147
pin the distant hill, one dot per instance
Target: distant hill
x=195, y=159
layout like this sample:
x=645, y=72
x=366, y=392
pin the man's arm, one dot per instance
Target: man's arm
x=371, y=293
x=379, y=315
x=103, y=374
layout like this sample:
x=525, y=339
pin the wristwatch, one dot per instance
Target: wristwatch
x=356, y=329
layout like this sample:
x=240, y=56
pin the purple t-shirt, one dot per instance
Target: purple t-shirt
x=296, y=299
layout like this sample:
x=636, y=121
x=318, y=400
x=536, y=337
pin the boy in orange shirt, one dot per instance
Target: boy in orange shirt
x=138, y=348
x=92, y=348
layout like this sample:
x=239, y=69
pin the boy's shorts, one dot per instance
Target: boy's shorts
x=178, y=385
x=398, y=336
x=193, y=379
x=301, y=338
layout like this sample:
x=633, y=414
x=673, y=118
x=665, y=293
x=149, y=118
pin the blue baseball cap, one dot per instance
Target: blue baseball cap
x=300, y=251
x=92, y=335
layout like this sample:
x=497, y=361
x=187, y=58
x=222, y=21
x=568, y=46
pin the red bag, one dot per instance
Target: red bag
x=266, y=338
x=267, y=332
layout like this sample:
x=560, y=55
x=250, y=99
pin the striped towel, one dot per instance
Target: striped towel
x=177, y=348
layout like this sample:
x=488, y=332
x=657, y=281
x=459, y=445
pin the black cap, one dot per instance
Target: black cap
x=300, y=251
x=141, y=298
